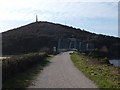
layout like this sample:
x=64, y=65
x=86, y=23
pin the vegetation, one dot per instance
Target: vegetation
x=21, y=68
x=44, y=35
x=103, y=74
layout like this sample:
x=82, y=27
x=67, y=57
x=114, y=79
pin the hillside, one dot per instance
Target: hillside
x=38, y=35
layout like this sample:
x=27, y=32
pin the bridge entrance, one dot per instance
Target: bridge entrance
x=68, y=44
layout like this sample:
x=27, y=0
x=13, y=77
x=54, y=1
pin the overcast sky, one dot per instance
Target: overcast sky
x=98, y=16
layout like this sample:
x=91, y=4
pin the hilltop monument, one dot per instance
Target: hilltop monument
x=36, y=18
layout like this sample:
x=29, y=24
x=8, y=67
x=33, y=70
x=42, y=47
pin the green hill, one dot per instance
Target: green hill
x=40, y=35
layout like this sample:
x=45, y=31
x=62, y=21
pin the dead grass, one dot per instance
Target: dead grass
x=104, y=75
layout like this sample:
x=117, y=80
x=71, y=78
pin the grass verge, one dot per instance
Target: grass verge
x=23, y=80
x=103, y=75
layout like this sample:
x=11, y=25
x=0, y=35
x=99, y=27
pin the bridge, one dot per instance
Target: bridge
x=68, y=44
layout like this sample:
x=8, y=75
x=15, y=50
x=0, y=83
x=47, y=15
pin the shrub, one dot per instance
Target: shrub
x=104, y=60
x=45, y=49
x=20, y=63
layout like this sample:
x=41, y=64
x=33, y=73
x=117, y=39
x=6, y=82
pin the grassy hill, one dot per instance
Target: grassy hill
x=38, y=36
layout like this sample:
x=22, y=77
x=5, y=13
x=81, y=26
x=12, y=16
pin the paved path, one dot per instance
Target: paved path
x=61, y=73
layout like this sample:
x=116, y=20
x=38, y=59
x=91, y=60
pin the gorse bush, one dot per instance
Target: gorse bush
x=20, y=63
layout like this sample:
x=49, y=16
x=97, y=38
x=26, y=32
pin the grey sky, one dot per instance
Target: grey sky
x=91, y=15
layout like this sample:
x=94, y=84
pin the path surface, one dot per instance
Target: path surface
x=61, y=73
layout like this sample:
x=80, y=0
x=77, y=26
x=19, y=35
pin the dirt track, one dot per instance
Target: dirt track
x=61, y=73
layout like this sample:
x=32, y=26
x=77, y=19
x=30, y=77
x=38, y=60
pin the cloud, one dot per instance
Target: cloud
x=21, y=9
x=72, y=12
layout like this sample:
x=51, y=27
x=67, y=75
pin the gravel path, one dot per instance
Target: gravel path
x=61, y=73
